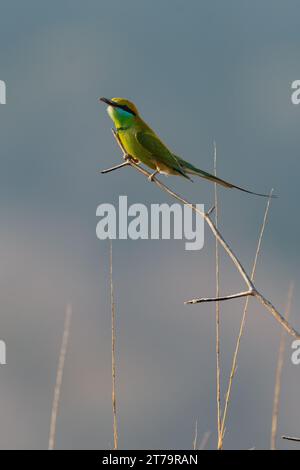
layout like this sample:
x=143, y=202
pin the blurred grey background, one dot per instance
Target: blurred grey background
x=198, y=71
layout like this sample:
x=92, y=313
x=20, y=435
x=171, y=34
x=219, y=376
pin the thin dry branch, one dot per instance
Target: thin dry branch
x=277, y=389
x=219, y=299
x=289, y=438
x=218, y=358
x=113, y=352
x=280, y=319
x=113, y=168
x=242, y=325
x=59, y=376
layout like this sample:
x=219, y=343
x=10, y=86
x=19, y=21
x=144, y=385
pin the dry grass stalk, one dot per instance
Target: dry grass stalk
x=277, y=389
x=113, y=352
x=204, y=440
x=252, y=290
x=195, y=436
x=59, y=377
x=218, y=359
x=242, y=325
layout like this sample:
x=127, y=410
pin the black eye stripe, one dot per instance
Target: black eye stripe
x=126, y=108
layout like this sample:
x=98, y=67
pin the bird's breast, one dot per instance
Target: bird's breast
x=130, y=142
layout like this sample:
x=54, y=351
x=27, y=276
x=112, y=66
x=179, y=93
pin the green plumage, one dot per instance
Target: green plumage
x=141, y=142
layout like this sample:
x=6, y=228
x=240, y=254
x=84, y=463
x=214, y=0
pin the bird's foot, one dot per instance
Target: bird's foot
x=152, y=176
x=129, y=158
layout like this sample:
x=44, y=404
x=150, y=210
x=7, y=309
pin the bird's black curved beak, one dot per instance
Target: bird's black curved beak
x=117, y=105
x=107, y=101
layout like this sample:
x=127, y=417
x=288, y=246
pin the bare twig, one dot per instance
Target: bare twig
x=242, y=325
x=210, y=211
x=277, y=389
x=204, y=440
x=280, y=319
x=218, y=362
x=219, y=299
x=59, y=377
x=288, y=438
x=116, y=167
x=195, y=436
x=113, y=352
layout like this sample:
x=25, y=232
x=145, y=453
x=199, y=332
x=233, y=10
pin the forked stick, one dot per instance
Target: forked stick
x=252, y=290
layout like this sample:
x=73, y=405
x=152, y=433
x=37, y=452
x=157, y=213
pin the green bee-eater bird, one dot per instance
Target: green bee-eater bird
x=140, y=142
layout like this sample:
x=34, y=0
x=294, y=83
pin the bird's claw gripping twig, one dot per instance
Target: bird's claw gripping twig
x=151, y=177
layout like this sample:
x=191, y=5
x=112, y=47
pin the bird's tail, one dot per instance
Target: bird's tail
x=192, y=170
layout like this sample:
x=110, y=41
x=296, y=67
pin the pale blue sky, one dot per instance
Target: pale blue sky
x=198, y=71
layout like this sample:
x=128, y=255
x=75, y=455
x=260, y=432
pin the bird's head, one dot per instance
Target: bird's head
x=121, y=111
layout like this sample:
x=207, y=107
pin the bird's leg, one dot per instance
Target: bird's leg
x=152, y=176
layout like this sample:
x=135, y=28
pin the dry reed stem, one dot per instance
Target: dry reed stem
x=242, y=325
x=59, y=377
x=195, y=436
x=113, y=352
x=245, y=293
x=218, y=359
x=204, y=440
x=277, y=389
x=289, y=438
x=252, y=289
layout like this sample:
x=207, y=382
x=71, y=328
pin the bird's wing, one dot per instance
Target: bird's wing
x=159, y=151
